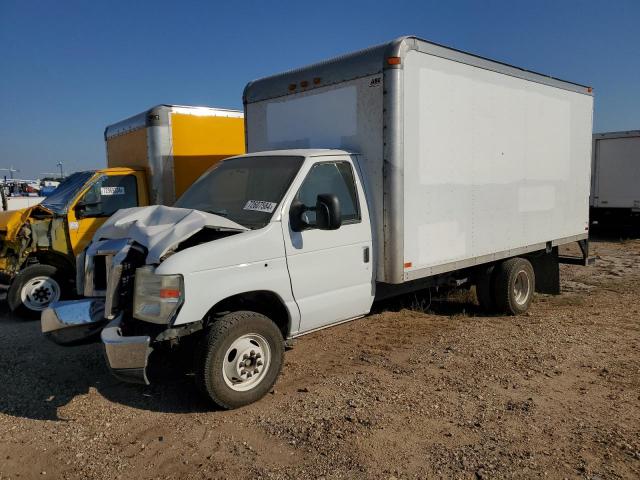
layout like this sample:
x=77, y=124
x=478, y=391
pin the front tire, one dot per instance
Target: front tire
x=239, y=359
x=34, y=288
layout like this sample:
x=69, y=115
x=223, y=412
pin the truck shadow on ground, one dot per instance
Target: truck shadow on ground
x=445, y=303
x=37, y=377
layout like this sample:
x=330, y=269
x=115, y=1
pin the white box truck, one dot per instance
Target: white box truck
x=402, y=167
x=615, y=179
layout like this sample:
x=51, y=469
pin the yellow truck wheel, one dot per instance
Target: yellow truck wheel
x=34, y=289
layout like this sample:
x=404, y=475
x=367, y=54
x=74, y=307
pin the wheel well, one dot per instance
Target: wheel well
x=262, y=301
x=545, y=265
x=56, y=260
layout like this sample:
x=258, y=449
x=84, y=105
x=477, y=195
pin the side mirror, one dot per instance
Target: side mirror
x=328, y=214
x=81, y=208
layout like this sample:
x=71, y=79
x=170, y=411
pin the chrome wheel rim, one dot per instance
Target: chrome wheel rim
x=246, y=362
x=39, y=292
x=521, y=288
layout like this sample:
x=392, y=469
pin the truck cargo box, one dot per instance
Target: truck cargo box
x=467, y=160
x=176, y=144
x=615, y=179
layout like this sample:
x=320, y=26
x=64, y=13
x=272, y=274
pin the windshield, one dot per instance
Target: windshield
x=59, y=200
x=246, y=190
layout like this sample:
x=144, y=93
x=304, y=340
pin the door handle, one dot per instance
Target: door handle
x=365, y=254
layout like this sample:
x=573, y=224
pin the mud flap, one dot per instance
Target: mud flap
x=547, y=270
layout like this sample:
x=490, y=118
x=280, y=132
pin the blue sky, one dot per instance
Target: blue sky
x=69, y=68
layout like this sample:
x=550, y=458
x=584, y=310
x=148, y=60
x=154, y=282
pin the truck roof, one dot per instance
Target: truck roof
x=121, y=169
x=299, y=152
x=373, y=60
x=621, y=134
x=159, y=115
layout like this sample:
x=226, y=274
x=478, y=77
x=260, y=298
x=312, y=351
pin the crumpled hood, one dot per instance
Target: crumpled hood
x=160, y=228
x=12, y=220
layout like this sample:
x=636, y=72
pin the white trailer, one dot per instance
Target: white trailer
x=401, y=167
x=615, y=178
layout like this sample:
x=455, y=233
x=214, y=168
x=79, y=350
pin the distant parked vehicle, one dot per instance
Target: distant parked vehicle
x=615, y=179
x=48, y=187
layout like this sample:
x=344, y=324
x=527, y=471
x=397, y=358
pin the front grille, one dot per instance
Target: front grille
x=97, y=267
x=134, y=259
x=102, y=261
x=100, y=273
x=109, y=270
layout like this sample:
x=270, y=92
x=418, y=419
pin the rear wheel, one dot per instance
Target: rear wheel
x=34, y=289
x=514, y=286
x=239, y=359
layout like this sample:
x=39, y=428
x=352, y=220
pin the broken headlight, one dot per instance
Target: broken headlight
x=156, y=297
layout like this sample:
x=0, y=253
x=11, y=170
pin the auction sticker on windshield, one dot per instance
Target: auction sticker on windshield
x=111, y=191
x=260, y=206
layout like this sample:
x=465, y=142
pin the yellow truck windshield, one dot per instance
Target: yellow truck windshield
x=59, y=200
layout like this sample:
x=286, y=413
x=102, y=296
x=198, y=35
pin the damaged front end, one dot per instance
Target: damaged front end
x=106, y=275
x=116, y=275
x=27, y=233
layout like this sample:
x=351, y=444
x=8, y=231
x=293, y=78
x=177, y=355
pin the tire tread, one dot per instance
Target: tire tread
x=13, y=294
x=216, y=333
x=503, y=292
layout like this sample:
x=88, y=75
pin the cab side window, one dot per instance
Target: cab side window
x=331, y=177
x=107, y=195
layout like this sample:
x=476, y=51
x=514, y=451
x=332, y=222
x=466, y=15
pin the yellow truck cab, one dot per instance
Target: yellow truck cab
x=152, y=158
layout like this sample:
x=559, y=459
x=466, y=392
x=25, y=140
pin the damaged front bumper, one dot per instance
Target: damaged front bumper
x=82, y=321
x=127, y=356
x=73, y=322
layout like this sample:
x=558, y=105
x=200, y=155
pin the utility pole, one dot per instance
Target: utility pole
x=11, y=171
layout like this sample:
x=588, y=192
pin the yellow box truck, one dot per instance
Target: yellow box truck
x=152, y=158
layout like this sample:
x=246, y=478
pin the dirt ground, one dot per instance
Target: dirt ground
x=431, y=390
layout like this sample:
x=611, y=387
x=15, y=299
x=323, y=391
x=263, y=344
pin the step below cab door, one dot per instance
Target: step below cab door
x=331, y=270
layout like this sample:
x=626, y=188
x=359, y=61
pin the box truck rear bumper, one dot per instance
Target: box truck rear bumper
x=127, y=357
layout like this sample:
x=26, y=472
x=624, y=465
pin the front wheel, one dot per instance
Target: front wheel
x=239, y=359
x=34, y=289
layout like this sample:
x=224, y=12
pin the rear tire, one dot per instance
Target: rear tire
x=514, y=286
x=34, y=288
x=239, y=359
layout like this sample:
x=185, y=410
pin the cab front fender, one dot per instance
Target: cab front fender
x=252, y=261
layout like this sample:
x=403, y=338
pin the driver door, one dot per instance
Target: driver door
x=102, y=199
x=331, y=270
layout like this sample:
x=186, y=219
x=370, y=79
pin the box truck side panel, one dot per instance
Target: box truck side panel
x=617, y=182
x=199, y=142
x=492, y=163
x=347, y=115
x=128, y=150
